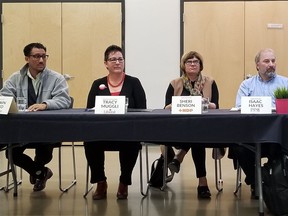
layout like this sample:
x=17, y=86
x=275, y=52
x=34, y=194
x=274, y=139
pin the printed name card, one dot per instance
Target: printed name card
x=256, y=105
x=7, y=105
x=186, y=105
x=110, y=105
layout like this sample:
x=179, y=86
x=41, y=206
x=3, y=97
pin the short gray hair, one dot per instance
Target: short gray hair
x=257, y=57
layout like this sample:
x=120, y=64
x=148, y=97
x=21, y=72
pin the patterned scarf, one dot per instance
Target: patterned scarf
x=198, y=85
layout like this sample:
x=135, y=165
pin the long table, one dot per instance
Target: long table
x=210, y=129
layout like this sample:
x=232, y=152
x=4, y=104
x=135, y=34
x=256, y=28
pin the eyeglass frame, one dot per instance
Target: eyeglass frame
x=114, y=60
x=38, y=57
x=190, y=62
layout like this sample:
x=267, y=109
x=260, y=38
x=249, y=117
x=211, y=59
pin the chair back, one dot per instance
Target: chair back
x=72, y=102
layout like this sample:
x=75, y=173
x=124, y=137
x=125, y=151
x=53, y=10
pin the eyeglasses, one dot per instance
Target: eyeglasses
x=114, y=60
x=38, y=57
x=190, y=62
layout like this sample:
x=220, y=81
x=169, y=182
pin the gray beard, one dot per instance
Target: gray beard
x=271, y=74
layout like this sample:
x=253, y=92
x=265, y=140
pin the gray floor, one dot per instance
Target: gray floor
x=179, y=198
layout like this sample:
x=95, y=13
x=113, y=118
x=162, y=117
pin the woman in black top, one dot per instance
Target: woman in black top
x=193, y=83
x=115, y=83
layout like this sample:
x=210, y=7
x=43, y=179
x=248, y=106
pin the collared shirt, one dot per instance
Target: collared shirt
x=256, y=86
x=36, y=82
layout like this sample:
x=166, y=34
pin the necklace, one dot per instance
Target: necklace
x=117, y=85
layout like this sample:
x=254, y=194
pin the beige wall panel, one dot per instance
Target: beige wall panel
x=216, y=30
x=24, y=23
x=88, y=28
x=258, y=36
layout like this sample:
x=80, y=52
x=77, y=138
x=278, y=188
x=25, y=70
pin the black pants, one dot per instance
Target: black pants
x=199, y=157
x=95, y=155
x=43, y=155
x=246, y=157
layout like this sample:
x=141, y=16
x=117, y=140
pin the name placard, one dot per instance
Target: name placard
x=186, y=105
x=7, y=105
x=110, y=104
x=256, y=105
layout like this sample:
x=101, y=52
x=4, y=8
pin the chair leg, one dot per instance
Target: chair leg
x=12, y=169
x=74, y=170
x=167, y=176
x=10, y=185
x=87, y=188
x=238, y=179
x=218, y=175
x=217, y=155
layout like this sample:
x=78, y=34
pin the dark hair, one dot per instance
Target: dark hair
x=110, y=49
x=27, y=49
x=190, y=55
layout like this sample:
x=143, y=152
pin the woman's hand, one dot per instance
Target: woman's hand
x=212, y=105
x=169, y=106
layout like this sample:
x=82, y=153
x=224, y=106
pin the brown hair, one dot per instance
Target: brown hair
x=190, y=55
x=258, y=55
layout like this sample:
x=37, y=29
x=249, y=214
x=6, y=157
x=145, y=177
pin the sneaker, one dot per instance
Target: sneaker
x=174, y=166
x=203, y=192
x=40, y=184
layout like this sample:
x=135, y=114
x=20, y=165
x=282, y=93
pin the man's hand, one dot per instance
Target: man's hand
x=37, y=107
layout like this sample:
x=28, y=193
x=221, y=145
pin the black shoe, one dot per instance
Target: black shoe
x=174, y=166
x=253, y=193
x=203, y=192
x=32, y=179
x=41, y=183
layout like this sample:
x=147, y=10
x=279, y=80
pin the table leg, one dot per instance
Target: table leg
x=259, y=178
x=165, y=168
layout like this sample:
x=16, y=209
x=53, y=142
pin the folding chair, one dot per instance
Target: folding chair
x=10, y=169
x=217, y=155
x=89, y=188
x=74, y=181
x=238, y=179
x=10, y=185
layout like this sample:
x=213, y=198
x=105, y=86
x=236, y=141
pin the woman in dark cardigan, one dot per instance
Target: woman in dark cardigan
x=115, y=83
